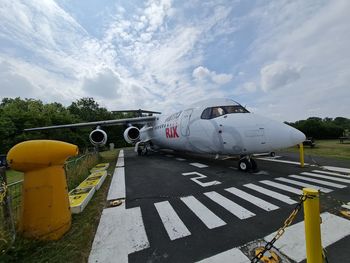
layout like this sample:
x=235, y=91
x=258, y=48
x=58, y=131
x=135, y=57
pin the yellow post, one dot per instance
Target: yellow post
x=301, y=152
x=312, y=226
x=45, y=212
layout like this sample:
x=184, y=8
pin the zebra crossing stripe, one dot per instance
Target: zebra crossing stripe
x=252, y=199
x=331, y=173
x=278, y=196
x=322, y=189
x=171, y=221
x=282, y=187
x=328, y=177
x=337, y=169
x=317, y=181
x=232, y=255
x=202, y=212
x=229, y=205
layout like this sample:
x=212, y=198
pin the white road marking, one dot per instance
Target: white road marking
x=282, y=187
x=204, y=214
x=317, y=181
x=120, y=162
x=331, y=173
x=229, y=205
x=322, y=189
x=292, y=243
x=169, y=155
x=231, y=255
x=234, y=168
x=181, y=159
x=280, y=161
x=328, y=177
x=201, y=176
x=171, y=221
x=252, y=199
x=199, y=165
x=119, y=233
x=278, y=196
x=117, y=187
x=337, y=169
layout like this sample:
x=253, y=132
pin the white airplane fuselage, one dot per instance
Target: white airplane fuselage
x=233, y=131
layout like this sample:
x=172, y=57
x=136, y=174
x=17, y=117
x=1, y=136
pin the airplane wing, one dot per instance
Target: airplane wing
x=139, y=120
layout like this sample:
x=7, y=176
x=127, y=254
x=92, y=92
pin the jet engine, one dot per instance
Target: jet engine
x=132, y=134
x=98, y=137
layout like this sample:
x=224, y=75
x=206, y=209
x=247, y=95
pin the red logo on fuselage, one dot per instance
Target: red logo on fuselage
x=171, y=132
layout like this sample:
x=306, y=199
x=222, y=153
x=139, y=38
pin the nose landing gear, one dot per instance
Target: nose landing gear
x=246, y=163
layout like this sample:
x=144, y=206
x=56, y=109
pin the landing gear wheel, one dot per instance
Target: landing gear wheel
x=244, y=165
x=272, y=154
x=139, y=151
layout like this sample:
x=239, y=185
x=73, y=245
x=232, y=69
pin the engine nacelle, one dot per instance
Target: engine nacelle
x=132, y=134
x=98, y=137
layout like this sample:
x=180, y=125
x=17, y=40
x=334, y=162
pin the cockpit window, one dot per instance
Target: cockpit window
x=214, y=112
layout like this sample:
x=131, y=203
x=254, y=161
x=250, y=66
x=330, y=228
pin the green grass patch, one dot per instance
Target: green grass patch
x=76, y=244
x=13, y=176
x=327, y=148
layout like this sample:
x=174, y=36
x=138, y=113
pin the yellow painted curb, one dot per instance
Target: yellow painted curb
x=79, y=198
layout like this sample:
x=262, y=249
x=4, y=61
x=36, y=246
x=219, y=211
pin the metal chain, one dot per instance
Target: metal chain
x=281, y=231
x=3, y=191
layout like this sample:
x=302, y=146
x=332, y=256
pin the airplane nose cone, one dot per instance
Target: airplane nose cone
x=296, y=136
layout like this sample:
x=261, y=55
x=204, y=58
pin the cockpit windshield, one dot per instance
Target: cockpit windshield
x=214, y=112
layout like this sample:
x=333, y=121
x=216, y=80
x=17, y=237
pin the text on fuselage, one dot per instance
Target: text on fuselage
x=171, y=132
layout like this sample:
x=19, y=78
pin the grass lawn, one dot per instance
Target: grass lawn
x=76, y=244
x=327, y=148
x=13, y=176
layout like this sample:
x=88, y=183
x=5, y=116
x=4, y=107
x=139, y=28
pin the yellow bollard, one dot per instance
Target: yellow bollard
x=301, y=153
x=45, y=212
x=312, y=226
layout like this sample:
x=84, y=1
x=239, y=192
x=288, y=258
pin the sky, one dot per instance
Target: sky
x=288, y=60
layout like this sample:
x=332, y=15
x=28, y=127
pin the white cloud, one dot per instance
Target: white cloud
x=277, y=75
x=106, y=84
x=249, y=86
x=202, y=74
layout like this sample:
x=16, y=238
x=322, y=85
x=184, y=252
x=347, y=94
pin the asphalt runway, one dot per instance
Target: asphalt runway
x=187, y=208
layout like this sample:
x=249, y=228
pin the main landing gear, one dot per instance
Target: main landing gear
x=246, y=163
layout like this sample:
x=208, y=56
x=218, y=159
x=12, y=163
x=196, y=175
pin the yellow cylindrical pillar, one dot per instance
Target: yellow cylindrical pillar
x=301, y=153
x=45, y=211
x=312, y=226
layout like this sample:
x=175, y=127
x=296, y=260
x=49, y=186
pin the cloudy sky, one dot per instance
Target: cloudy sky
x=285, y=59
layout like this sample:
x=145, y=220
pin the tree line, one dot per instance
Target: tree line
x=18, y=114
x=326, y=128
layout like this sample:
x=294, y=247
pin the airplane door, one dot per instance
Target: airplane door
x=185, y=122
x=230, y=137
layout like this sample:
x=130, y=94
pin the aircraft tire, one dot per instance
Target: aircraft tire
x=272, y=154
x=139, y=151
x=244, y=165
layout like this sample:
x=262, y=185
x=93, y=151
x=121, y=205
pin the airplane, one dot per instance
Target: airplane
x=215, y=126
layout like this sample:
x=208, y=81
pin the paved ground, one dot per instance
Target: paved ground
x=185, y=208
